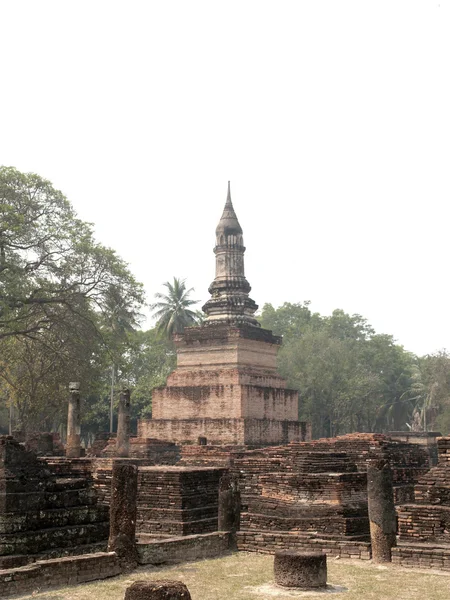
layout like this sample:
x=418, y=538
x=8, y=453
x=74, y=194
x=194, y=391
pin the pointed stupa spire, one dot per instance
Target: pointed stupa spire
x=228, y=222
x=230, y=303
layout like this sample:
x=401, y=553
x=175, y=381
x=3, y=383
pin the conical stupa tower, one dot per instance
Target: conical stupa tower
x=226, y=387
x=230, y=303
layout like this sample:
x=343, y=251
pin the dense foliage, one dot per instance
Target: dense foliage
x=353, y=379
x=67, y=303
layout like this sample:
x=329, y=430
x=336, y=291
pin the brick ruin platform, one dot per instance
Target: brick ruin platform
x=156, y=452
x=177, y=501
x=44, y=513
x=299, y=499
x=312, y=494
x=409, y=461
x=226, y=387
x=424, y=525
x=69, y=570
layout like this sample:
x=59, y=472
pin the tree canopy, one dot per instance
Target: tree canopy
x=66, y=301
x=50, y=264
x=352, y=379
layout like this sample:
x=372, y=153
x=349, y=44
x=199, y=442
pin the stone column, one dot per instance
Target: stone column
x=382, y=516
x=122, y=514
x=73, y=448
x=303, y=570
x=229, y=518
x=123, y=425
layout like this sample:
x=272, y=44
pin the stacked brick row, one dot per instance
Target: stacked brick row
x=44, y=513
x=301, y=497
x=204, y=456
x=424, y=525
x=58, y=572
x=155, y=451
x=408, y=461
x=177, y=501
x=268, y=542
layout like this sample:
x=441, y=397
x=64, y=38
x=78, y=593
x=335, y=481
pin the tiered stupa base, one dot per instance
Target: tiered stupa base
x=226, y=389
x=249, y=432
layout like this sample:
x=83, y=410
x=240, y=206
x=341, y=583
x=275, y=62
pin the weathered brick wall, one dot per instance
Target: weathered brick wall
x=177, y=500
x=423, y=522
x=422, y=557
x=46, y=510
x=190, y=547
x=224, y=394
x=268, y=542
x=223, y=346
x=224, y=375
x=290, y=489
x=58, y=572
x=155, y=452
x=225, y=431
x=427, y=519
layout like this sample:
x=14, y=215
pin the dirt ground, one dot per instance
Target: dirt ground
x=249, y=576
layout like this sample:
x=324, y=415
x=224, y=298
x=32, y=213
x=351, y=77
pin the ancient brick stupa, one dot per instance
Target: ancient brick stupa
x=226, y=387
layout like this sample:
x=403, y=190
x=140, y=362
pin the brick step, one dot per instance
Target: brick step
x=426, y=556
x=11, y=485
x=275, y=507
x=19, y=560
x=58, y=498
x=182, y=502
x=176, y=527
x=34, y=542
x=11, y=523
x=320, y=525
x=58, y=572
x=304, y=535
x=176, y=514
x=269, y=542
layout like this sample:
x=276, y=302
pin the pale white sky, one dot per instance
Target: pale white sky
x=330, y=118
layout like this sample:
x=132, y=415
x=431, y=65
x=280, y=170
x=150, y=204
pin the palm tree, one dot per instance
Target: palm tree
x=172, y=309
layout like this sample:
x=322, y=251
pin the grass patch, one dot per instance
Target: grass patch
x=242, y=576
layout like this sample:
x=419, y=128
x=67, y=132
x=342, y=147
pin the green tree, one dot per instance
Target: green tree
x=429, y=392
x=66, y=301
x=49, y=258
x=149, y=360
x=172, y=309
x=349, y=377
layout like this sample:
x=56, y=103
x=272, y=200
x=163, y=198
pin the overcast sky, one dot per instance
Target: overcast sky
x=330, y=118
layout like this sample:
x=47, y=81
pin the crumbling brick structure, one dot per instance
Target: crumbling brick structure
x=292, y=497
x=424, y=525
x=177, y=501
x=43, y=514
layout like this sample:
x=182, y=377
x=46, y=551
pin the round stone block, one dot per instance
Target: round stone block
x=300, y=569
x=161, y=589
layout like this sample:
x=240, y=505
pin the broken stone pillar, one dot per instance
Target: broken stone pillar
x=229, y=518
x=161, y=589
x=122, y=514
x=123, y=425
x=73, y=422
x=382, y=516
x=300, y=569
